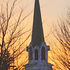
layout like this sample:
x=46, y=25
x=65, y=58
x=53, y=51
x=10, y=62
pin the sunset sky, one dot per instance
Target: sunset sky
x=51, y=11
x=50, y=8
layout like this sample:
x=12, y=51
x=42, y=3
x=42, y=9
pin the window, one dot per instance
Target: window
x=43, y=53
x=36, y=54
x=30, y=55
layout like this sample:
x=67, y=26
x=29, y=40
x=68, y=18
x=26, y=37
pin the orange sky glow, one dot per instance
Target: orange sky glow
x=51, y=10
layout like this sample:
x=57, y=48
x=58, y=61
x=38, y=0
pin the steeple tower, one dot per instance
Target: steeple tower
x=37, y=33
x=38, y=50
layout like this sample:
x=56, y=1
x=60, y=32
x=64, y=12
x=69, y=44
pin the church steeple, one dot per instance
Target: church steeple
x=38, y=50
x=37, y=33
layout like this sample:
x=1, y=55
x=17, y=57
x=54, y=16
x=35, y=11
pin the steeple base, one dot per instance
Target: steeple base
x=39, y=66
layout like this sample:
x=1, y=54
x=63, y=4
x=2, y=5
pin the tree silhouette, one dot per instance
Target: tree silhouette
x=10, y=33
x=61, y=53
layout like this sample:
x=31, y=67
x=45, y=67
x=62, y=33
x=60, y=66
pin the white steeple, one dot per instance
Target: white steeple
x=38, y=50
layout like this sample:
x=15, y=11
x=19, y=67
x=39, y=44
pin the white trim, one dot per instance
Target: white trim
x=36, y=47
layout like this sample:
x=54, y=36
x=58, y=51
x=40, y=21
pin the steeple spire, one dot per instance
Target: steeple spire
x=38, y=49
x=37, y=33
